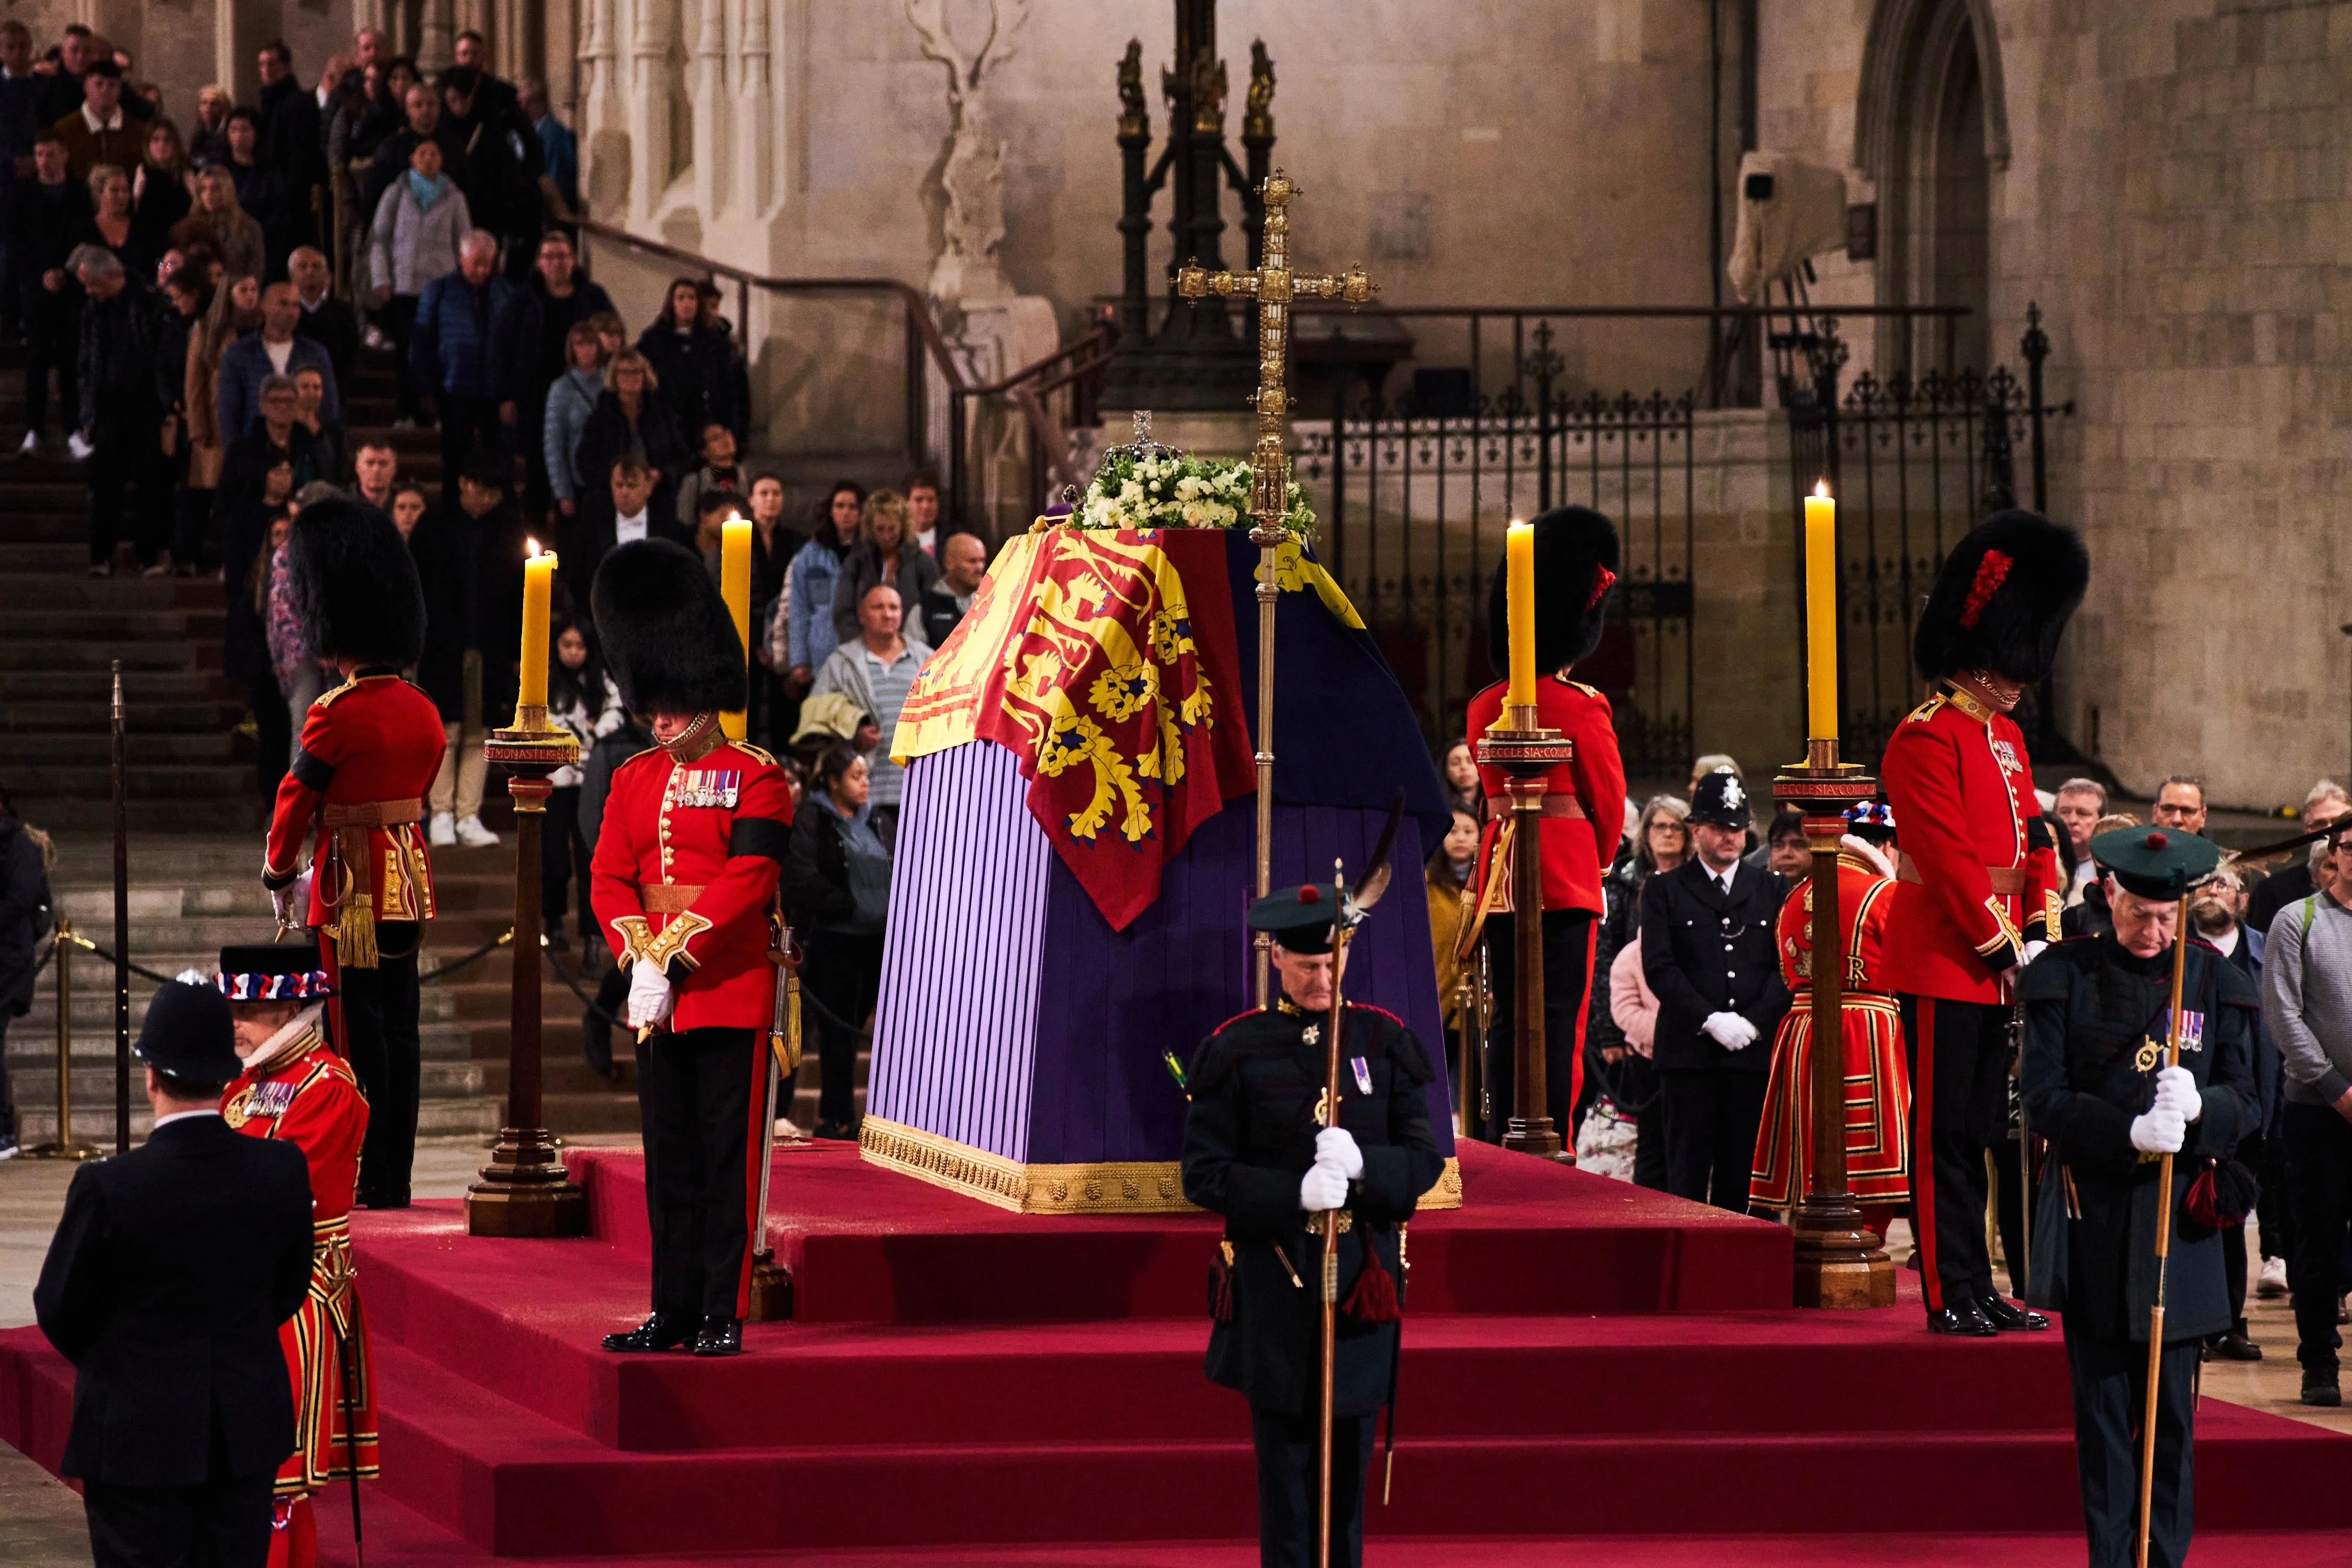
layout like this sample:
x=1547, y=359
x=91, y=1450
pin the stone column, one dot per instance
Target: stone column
x=647, y=101
x=437, y=44
x=605, y=172
x=755, y=161
x=710, y=98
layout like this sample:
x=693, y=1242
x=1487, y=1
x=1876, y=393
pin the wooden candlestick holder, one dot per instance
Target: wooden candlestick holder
x=525, y=1190
x=1839, y=1260
x=1526, y=752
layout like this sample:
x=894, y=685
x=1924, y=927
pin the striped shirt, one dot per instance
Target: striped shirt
x=880, y=690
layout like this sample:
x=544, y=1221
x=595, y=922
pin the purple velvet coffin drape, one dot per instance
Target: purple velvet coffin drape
x=1016, y=1023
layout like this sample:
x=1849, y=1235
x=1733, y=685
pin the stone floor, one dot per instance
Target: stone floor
x=41, y=1521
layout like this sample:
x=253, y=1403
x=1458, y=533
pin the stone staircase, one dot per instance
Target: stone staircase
x=195, y=821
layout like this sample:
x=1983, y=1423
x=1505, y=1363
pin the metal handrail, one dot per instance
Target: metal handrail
x=926, y=347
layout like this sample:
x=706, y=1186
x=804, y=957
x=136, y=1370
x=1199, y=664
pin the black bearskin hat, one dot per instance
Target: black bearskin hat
x=2002, y=599
x=354, y=586
x=668, y=639
x=1576, y=561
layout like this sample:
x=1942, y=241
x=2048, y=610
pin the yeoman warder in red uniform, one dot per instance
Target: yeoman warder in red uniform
x=297, y=1089
x=1977, y=883
x=1583, y=808
x=369, y=751
x=694, y=835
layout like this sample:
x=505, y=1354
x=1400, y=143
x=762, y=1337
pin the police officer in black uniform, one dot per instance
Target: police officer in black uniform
x=2097, y=1015
x=171, y=1269
x=1707, y=953
x=1256, y=1151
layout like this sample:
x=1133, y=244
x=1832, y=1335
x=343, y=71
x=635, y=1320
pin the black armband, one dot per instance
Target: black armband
x=759, y=835
x=310, y=773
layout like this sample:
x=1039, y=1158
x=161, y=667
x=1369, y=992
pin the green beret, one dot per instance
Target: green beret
x=2156, y=862
x=1300, y=917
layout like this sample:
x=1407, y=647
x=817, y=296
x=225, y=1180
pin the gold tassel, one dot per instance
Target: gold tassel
x=355, y=933
x=788, y=1048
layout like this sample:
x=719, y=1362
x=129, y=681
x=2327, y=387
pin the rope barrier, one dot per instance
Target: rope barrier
x=445, y=971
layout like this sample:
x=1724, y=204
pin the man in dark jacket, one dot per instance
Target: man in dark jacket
x=120, y=422
x=45, y=213
x=557, y=297
x=326, y=320
x=278, y=437
x=1254, y=1152
x=963, y=563
x=1706, y=951
x=469, y=558
x=24, y=917
x=501, y=178
x=293, y=141
x=171, y=1269
x=2095, y=1083
x=469, y=349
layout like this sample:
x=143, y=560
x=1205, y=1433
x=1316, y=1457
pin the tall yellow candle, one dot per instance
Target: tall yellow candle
x=1519, y=557
x=538, y=583
x=1821, y=614
x=735, y=588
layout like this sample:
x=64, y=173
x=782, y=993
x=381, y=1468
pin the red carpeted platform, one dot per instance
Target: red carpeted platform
x=1583, y=1362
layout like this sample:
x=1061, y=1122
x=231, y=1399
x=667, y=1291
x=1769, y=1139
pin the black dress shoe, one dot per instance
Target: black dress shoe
x=719, y=1336
x=659, y=1332
x=2234, y=1346
x=386, y=1200
x=2319, y=1388
x=1964, y=1319
x=2008, y=1317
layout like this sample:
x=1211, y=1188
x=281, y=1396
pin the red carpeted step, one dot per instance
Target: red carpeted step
x=868, y=1244
x=842, y=1383
x=519, y=1485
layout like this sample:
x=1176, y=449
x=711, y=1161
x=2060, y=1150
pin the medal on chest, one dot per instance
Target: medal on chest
x=2192, y=1039
x=709, y=787
x=2006, y=755
x=258, y=1102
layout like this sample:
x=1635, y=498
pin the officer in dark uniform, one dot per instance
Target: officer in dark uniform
x=1708, y=952
x=1255, y=1151
x=171, y=1269
x=2097, y=1013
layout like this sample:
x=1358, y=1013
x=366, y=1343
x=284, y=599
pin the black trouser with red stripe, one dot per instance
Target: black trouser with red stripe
x=702, y=1124
x=1959, y=1053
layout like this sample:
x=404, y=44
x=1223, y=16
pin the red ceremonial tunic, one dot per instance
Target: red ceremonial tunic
x=304, y=1094
x=685, y=865
x=370, y=750
x=1877, y=1087
x=1578, y=849
x=1971, y=893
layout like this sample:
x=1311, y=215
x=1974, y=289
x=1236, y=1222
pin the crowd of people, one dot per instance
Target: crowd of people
x=2300, y=1151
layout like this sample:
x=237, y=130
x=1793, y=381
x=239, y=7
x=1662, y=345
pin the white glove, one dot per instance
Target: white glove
x=1336, y=1146
x=2034, y=950
x=649, y=997
x=1323, y=1187
x=2159, y=1131
x=1730, y=1030
x=281, y=903
x=2176, y=1090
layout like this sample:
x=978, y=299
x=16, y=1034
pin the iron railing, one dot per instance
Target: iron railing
x=1915, y=461
x=1415, y=489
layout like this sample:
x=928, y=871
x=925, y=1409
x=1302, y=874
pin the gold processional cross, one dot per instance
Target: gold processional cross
x=1273, y=287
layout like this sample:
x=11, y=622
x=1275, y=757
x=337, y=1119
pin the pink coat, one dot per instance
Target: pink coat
x=1631, y=1001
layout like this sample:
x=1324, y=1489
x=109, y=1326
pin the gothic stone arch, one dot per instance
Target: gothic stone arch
x=1931, y=128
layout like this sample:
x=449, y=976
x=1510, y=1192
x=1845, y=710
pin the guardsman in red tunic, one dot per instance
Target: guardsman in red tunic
x=694, y=835
x=1583, y=809
x=1878, y=1088
x=368, y=754
x=295, y=1088
x=1979, y=884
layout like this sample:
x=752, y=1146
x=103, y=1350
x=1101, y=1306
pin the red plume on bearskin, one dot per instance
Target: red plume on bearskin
x=668, y=639
x=354, y=587
x=2002, y=599
x=1575, y=563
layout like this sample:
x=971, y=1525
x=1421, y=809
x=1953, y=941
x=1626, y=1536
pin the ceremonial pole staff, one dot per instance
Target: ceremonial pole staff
x=2163, y=1249
x=121, y=930
x=1352, y=908
x=1275, y=287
